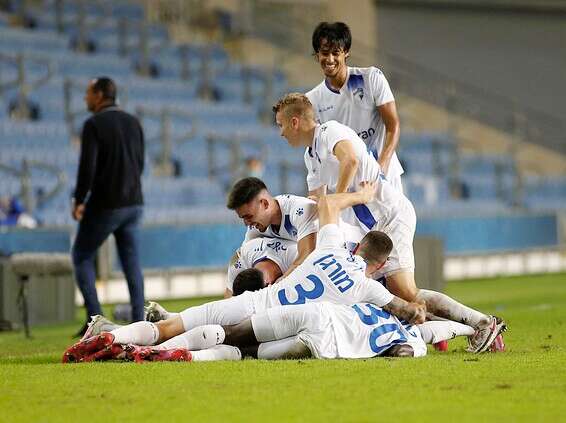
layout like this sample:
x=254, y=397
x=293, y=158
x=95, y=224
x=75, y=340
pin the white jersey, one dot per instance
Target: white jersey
x=323, y=169
x=329, y=273
x=339, y=331
x=355, y=105
x=364, y=330
x=299, y=218
x=280, y=251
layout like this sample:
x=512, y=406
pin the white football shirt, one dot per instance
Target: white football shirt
x=364, y=330
x=329, y=273
x=323, y=169
x=355, y=105
x=299, y=218
x=280, y=251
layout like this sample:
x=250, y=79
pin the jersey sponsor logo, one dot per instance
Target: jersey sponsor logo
x=337, y=275
x=323, y=109
x=277, y=246
x=366, y=134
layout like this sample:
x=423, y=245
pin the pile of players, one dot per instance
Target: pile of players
x=329, y=276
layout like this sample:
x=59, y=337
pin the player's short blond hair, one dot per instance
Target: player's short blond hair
x=294, y=104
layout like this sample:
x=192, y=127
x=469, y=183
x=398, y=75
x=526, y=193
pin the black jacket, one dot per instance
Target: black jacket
x=111, y=161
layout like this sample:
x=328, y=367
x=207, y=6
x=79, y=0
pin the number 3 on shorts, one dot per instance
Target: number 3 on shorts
x=302, y=294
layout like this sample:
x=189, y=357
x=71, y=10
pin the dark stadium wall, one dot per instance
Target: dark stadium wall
x=520, y=55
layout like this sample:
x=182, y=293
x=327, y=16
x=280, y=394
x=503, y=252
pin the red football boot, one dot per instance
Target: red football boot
x=77, y=352
x=111, y=352
x=141, y=354
x=441, y=346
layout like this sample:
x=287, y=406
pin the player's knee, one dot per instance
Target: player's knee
x=400, y=350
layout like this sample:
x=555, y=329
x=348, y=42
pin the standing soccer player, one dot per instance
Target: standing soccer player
x=356, y=97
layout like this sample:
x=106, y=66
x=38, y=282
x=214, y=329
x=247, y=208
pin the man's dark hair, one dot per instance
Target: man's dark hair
x=335, y=35
x=375, y=247
x=106, y=86
x=248, y=280
x=244, y=191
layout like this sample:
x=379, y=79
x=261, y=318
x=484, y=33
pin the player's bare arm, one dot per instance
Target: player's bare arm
x=305, y=246
x=388, y=112
x=412, y=312
x=346, y=155
x=317, y=193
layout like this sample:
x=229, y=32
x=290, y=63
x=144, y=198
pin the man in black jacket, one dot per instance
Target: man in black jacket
x=108, y=195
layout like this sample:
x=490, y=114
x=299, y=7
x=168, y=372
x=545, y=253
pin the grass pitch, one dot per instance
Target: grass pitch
x=527, y=383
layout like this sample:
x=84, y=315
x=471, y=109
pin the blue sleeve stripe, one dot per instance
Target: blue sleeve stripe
x=364, y=216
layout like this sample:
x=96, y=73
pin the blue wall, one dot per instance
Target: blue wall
x=465, y=235
x=213, y=245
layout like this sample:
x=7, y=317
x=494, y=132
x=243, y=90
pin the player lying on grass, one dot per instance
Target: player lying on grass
x=320, y=330
x=330, y=273
x=337, y=160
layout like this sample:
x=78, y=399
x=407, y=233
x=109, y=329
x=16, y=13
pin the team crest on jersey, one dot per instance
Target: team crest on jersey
x=300, y=211
x=359, y=92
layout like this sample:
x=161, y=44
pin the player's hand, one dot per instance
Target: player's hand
x=78, y=211
x=367, y=191
x=417, y=313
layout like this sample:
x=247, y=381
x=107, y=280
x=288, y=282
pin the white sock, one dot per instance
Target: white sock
x=199, y=338
x=436, y=331
x=139, y=333
x=442, y=305
x=218, y=352
x=282, y=349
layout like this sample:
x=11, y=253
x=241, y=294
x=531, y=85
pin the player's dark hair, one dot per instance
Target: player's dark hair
x=336, y=34
x=106, y=86
x=244, y=191
x=248, y=280
x=375, y=247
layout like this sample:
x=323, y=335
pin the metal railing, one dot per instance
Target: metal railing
x=21, y=82
x=165, y=137
x=26, y=194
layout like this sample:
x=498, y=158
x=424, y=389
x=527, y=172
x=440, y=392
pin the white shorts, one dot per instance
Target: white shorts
x=309, y=322
x=399, y=227
x=314, y=325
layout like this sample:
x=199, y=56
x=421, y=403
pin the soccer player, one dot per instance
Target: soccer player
x=271, y=256
x=330, y=273
x=285, y=216
x=337, y=160
x=356, y=97
x=326, y=330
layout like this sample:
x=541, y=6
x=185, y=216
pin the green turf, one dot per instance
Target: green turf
x=527, y=383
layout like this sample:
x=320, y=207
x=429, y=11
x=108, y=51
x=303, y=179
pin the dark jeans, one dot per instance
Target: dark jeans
x=94, y=228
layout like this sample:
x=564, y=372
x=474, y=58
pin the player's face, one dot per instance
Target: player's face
x=255, y=214
x=332, y=59
x=288, y=128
